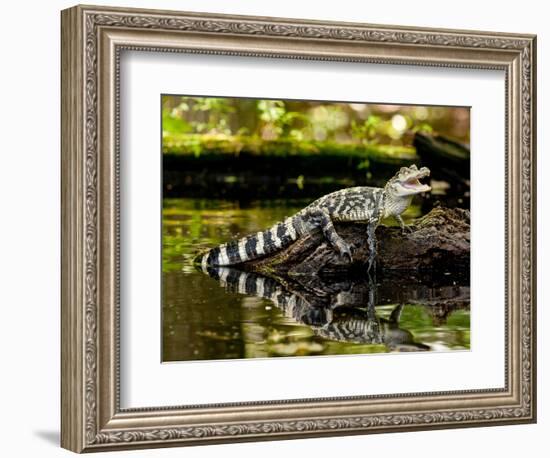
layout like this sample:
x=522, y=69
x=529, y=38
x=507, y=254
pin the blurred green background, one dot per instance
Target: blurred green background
x=203, y=125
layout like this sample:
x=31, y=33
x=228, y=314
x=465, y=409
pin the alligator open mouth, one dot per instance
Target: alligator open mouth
x=414, y=183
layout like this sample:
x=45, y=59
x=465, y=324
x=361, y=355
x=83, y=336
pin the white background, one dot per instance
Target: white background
x=146, y=75
x=29, y=246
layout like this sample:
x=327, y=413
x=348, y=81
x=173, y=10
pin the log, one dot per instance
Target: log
x=445, y=148
x=439, y=243
x=448, y=159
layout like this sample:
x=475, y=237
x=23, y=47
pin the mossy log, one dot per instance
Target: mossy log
x=439, y=242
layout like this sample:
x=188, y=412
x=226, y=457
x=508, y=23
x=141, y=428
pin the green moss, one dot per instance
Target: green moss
x=235, y=145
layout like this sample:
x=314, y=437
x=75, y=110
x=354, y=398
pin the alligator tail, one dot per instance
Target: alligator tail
x=253, y=246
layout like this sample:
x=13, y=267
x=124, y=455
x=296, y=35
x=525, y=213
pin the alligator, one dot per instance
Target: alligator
x=357, y=204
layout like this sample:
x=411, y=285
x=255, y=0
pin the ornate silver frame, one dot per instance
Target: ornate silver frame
x=92, y=40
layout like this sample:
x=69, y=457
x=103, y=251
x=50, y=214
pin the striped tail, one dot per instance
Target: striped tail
x=253, y=246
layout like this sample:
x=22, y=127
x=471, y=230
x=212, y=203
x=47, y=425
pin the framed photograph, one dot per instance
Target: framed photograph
x=278, y=228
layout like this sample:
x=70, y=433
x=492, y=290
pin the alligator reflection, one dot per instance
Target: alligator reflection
x=344, y=310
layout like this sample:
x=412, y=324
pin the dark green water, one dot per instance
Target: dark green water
x=203, y=319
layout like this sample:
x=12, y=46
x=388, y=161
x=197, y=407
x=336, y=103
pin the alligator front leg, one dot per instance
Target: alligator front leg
x=320, y=220
x=404, y=227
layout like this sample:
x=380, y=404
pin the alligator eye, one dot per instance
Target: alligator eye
x=413, y=167
x=402, y=169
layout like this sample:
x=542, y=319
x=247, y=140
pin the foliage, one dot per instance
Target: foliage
x=211, y=115
x=278, y=122
x=217, y=126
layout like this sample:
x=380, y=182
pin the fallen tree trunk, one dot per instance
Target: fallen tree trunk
x=439, y=242
x=448, y=160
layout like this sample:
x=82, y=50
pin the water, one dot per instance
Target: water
x=217, y=317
